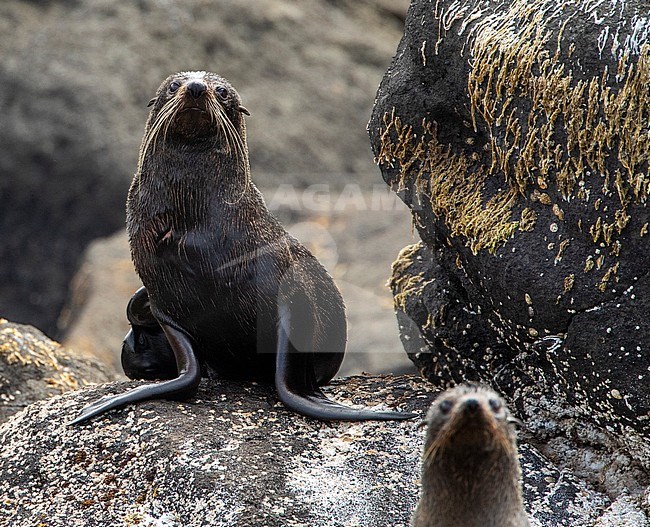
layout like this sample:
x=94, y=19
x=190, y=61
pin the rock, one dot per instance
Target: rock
x=32, y=368
x=234, y=456
x=77, y=77
x=517, y=133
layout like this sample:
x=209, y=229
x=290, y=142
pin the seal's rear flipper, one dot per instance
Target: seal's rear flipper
x=183, y=386
x=298, y=390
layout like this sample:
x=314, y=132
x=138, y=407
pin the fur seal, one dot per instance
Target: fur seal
x=470, y=466
x=228, y=292
x=145, y=352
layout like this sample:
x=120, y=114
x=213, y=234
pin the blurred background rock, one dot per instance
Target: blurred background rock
x=76, y=77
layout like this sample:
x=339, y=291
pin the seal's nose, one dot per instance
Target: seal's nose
x=196, y=88
x=471, y=405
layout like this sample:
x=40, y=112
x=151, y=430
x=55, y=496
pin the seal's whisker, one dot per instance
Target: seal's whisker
x=173, y=109
x=440, y=441
x=234, y=139
x=237, y=141
x=164, y=117
x=214, y=110
x=160, y=119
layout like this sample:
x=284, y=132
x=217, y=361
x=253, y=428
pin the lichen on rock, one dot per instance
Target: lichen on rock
x=33, y=367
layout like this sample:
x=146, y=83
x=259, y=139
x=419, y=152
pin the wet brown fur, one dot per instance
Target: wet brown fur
x=212, y=257
x=227, y=291
x=470, y=466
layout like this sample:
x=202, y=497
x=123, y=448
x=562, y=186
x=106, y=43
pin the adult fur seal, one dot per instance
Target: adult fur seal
x=228, y=291
x=470, y=467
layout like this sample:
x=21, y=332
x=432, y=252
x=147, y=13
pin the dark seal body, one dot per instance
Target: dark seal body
x=470, y=467
x=218, y=269
x=227, y=291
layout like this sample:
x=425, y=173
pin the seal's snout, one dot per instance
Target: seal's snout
x=196, y=88
x=471, y=406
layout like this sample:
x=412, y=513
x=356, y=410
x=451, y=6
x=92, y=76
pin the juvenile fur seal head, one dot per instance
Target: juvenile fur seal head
x=470, y=465
x=197, y=105
x=227, y=291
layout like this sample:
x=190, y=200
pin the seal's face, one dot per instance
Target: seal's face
x=195, y=107
x=469, y=418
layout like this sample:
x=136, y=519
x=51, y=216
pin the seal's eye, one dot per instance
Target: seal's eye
x=445, y=406
x=223, y=92
x=173, y=87
x=495, y=405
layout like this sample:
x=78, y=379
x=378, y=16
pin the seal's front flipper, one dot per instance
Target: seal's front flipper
x=183, y=386
x=296, y=384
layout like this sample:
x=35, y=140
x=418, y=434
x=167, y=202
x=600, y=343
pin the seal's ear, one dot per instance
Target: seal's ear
x=242, y=109
x=151, y=102
x=512, y=419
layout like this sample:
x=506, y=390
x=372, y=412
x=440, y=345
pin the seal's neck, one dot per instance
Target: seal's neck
x=188, y=180
x=471, y=491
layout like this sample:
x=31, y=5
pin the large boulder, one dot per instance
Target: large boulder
x=518, y=134
x=76, y=79
x=32, y=368
x=234, y=456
